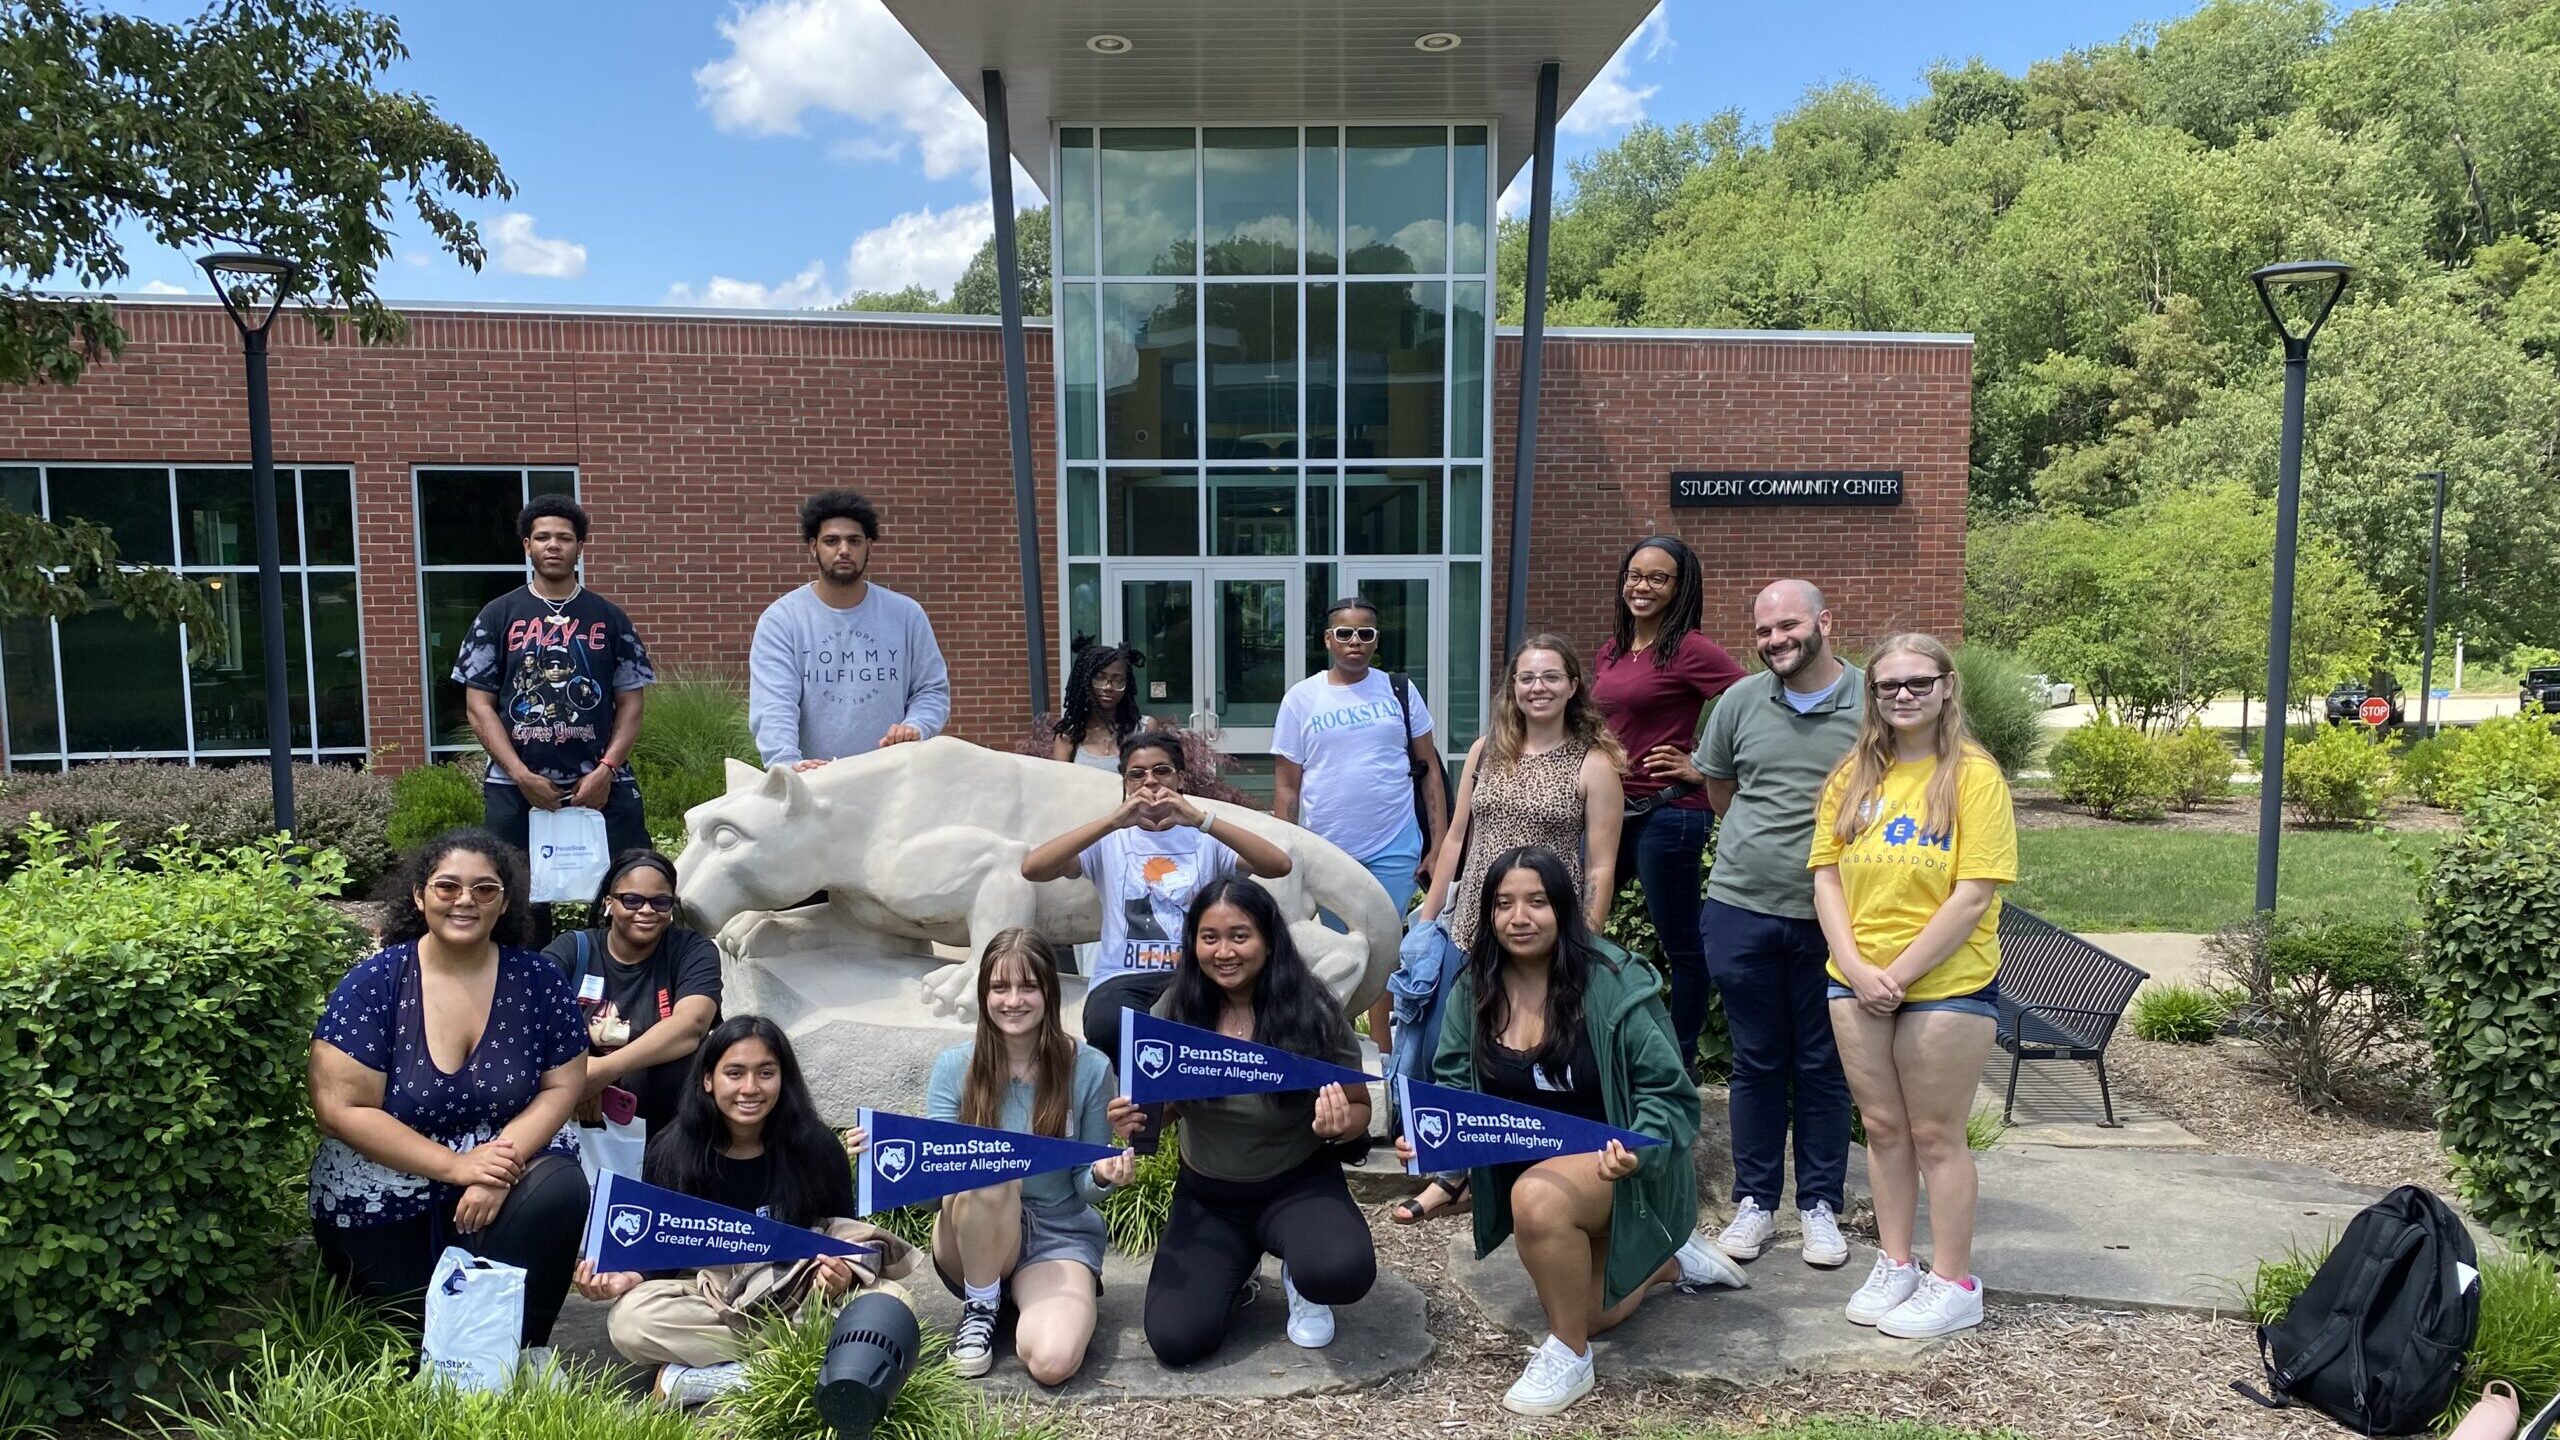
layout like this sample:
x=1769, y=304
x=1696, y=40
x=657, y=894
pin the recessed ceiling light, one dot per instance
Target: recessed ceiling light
x=1438, y=42
x=1109, y=45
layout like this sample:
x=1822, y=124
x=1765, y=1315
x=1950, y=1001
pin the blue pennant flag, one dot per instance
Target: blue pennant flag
x=1460, y=1130
x=633, y=1226
x=1162, y=1060
x=909, y=1159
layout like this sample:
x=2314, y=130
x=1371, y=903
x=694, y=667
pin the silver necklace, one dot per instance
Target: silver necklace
x=557, y=606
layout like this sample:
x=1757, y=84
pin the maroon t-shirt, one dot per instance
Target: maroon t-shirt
x=1649, y=705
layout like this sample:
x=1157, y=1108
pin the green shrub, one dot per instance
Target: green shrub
x=154, y=1030
x=2005, y=710
x=222, y=807
x=431, y=799
x=282, y=1396
x=2426, y=767
x=2515, y=755
x=1137, y=1211
x=2197, y=764
x=2114, y=771
x=2331, y=1002
x=694, y=720
x=2492, y=913
x=2519, y=1338
x=779, y=1400
x=1631, y=926
x=2344, y=775
x=2297, y=735
x=2179, y=1014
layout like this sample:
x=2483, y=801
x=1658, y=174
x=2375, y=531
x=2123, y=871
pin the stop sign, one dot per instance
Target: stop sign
x=2374, y=711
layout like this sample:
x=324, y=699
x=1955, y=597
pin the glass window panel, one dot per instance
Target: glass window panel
x=1466, y=369
x=1084, y=604
x=19, y=489
x=1254, y=667
x=1153, y=512
x=329, y=516
x=1391, y=512
x=452, y=600
x=1395, y=188
x=1249, y=201
x=1466, y=510
x=1082, y=417
x=468, y=517
x=123, y=683
x=1149, y=202
x=229, y=688
x=26, y=664
x=1155, y=617
x=549, y=482
x=1468, y=217
x=1150, y=372
x=1251, y=346
x=1084, y=512
x=1404, y=625
x=1075, y=202
x=1324, y=199
x=132, y=504
x=1320, y=492
x=215, y=524
x=1392, y=386
x=1466, y=657
x=1324, y=363
x=1319, y=594
x=1253, y=512
x=337, y=656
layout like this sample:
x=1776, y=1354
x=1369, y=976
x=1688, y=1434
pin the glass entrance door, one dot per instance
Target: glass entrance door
x=1410, y=636
x=1220, y=642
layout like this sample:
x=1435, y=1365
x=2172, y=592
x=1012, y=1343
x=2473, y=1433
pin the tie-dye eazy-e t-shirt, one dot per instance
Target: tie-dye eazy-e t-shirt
x=554, y=676
x=1146, y=879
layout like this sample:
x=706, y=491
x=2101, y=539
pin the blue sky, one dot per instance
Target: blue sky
x=786, y=152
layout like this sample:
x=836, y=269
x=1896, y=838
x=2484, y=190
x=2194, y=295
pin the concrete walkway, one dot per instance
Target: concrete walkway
x=2172, y=958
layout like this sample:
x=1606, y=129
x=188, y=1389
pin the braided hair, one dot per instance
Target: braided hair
x=1679, y=616
x=1075, y=707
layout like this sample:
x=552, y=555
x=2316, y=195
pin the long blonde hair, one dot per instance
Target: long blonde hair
x=1861, y=772
x=1509, y=732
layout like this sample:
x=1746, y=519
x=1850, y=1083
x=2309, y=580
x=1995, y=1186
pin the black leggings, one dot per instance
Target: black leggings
x=538, y=1227
x=1220, y=1230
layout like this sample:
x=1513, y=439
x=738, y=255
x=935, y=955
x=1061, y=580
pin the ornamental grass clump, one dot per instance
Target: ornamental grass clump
x=2179, y=1014
x=779, y=1400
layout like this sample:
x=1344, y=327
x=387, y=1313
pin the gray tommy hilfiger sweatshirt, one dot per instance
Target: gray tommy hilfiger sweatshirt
x=825, y=683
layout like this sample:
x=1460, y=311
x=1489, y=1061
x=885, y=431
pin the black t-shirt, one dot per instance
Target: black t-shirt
x=555, y=676
x=1515, y=1075
x=748, y=1184
x=686, y=963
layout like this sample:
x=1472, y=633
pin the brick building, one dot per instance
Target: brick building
x=690, y=436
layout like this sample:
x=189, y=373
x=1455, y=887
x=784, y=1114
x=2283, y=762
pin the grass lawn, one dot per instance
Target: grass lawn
x=2111, y=878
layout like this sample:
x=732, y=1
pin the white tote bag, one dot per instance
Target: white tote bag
x=475, y=1316
x=615, y=1147
x=569, y=858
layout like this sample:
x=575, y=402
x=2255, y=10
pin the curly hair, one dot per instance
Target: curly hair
x=1679, y=614
x=1075, y=706
x=404, y=921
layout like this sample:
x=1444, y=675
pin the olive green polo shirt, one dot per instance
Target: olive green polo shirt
x=1778, y=761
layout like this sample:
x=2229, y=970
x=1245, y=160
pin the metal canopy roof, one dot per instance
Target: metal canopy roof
x=1275, y=60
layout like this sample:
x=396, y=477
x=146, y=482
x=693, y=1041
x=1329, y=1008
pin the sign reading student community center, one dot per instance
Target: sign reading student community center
x=1719, y=488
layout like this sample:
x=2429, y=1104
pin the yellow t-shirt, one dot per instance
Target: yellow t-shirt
x=1896, y=878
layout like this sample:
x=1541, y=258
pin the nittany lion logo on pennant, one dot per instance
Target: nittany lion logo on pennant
x=1154, y=1058
x=629, y=1224
x=1432, y=1126
x=893, y=1158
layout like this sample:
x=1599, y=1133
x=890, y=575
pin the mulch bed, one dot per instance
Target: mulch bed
x=2228, y=1096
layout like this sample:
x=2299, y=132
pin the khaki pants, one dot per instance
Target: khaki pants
x=668, y=1321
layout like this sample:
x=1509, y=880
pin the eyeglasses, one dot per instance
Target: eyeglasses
x=1916, y=685
x=1355, y=634
x=634, y=900
x=1161, y=774
x=451, y=891
x=1552, y=679
x=1651, y=579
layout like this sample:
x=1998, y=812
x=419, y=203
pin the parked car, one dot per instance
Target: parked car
x=2541, y=689
x=2055, y=692
x=2347, y=701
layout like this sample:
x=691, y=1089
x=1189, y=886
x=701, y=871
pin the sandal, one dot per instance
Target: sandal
x=1412, y=1210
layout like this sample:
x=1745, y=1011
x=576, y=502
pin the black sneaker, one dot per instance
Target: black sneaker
x=973, y=1343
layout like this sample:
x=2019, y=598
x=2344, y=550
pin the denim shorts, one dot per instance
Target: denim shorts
x=1984, y=1002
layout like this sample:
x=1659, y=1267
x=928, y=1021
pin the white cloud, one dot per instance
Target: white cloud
x=519, y=251
x=1612, y=101
x=807, y=290
x=161, y=287
x=925, y=247
x=1514, y=202
x=866, y=150
x=848, y=57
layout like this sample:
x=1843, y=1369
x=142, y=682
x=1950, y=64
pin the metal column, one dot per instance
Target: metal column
x=1017, y=391
x=1533, y=339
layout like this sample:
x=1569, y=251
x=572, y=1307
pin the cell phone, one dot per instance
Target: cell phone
x=619, y=1105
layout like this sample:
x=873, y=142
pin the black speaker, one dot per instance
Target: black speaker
x=869, y=1353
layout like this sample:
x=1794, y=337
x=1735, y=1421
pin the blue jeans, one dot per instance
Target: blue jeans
x=1661, y=849
x=1984, y=1002
x=1768, y=969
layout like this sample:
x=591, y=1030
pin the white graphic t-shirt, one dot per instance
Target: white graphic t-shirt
x=1350, y=740
x=1147, y=879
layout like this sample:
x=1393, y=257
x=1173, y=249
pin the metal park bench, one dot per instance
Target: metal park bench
x=2060, y=999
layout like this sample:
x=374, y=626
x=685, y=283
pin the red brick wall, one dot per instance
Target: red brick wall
x=696, y=438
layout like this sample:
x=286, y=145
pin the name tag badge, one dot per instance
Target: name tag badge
x=591, y=989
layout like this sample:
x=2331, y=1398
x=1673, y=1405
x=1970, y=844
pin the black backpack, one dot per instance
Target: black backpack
x=2376, y=1340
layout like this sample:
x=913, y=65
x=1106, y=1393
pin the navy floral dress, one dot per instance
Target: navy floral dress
x=376, y=1017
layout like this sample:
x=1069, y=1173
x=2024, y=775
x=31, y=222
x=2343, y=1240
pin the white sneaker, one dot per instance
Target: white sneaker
x=1888, y=1285
x=1703, y=1267
x=973, y=1340
x=1938, y=1307
x=1551, y=1383
x=691, y=1385
x=1750, y=1233
x=1310, y=1324
x=1823, y=1247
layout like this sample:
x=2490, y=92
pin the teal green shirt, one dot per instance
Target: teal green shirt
x=1778, y=760
x=1088, y=1117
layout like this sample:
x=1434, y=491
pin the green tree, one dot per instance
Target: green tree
x=913, y=300
x=976, y=292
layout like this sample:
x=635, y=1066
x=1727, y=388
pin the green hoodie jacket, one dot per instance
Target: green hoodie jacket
x=1643, y=1088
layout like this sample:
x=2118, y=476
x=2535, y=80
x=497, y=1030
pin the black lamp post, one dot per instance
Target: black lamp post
x=2427, y=647
x=252, y=287
x=2312, y=288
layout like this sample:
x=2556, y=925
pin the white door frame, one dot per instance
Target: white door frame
x=1351, y=570
x=1203, y=575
